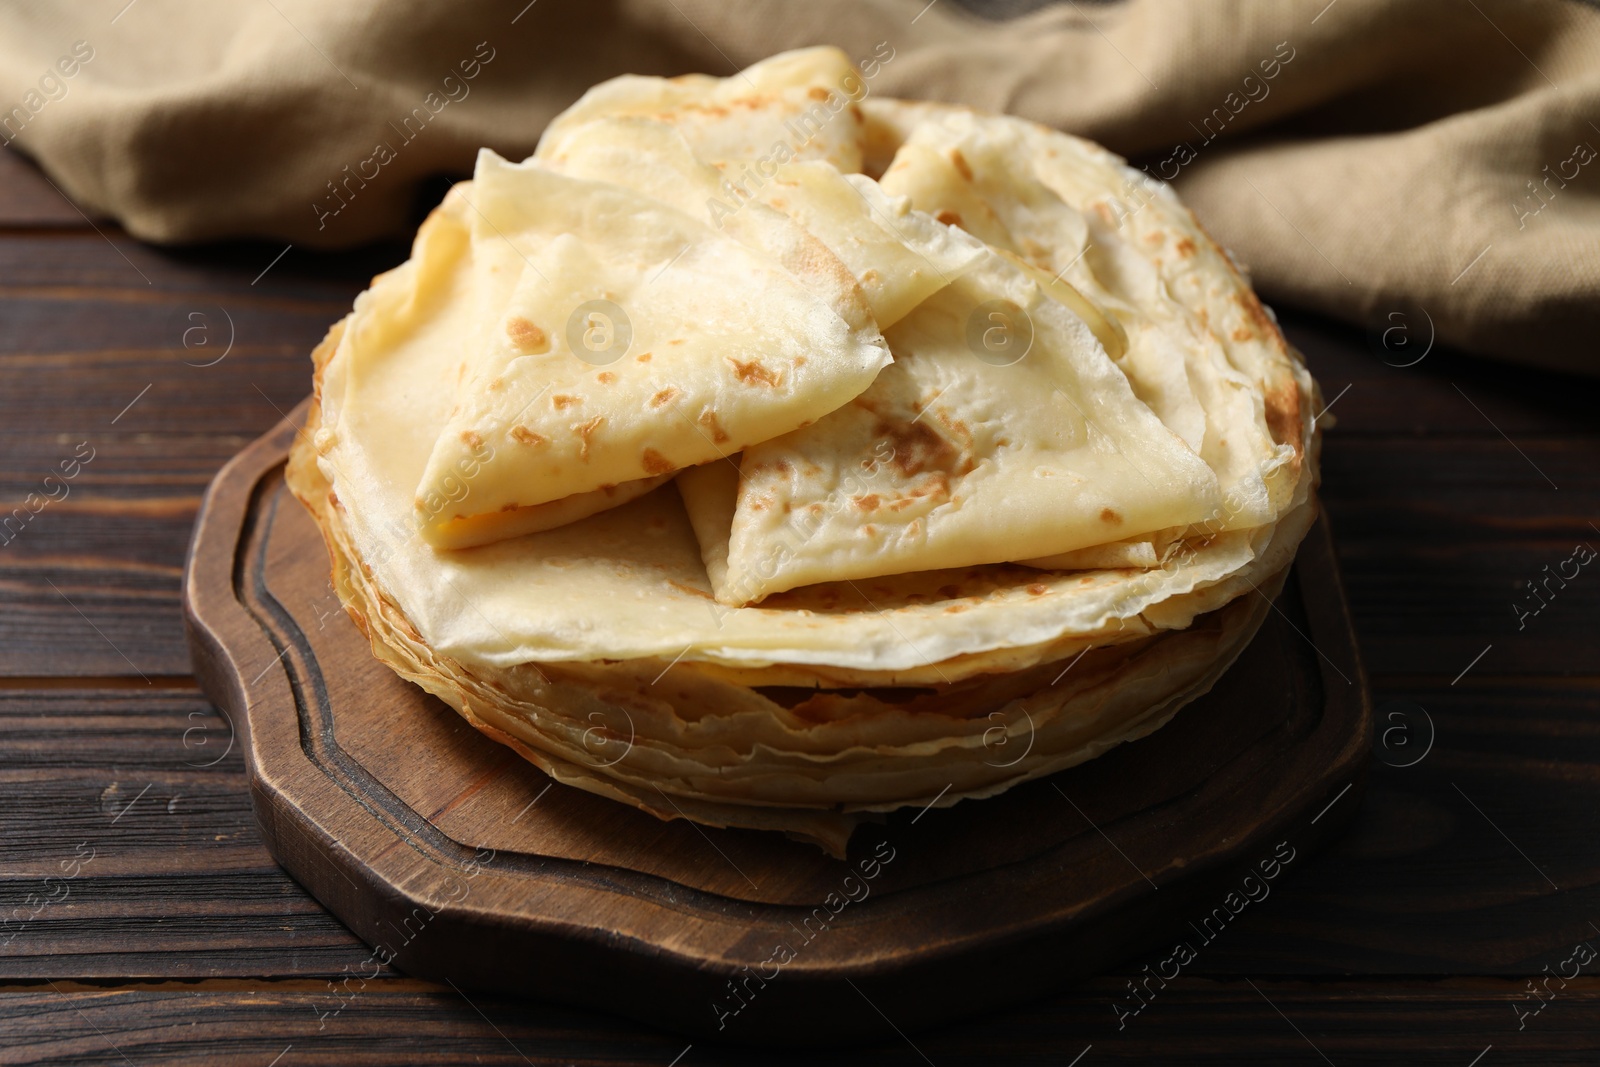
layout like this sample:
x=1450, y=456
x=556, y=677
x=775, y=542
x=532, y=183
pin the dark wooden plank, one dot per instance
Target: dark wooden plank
x=27, y=198
x=122, y=270
x=1262, y=1021
x=1438, y=540
x=81, y=340
x=93, y=363
x=1477, y=858
x=93, y=616
x=128, y=847
x=62, y=294
x=1436, y=395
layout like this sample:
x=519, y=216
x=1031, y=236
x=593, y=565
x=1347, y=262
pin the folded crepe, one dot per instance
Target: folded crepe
x=949, y=460
x=983, y=457
x=563, y=392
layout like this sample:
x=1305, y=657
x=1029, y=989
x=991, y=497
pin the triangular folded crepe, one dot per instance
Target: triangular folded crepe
x=798, y=105
x=631, y=340
x=1002, y=431
x=898, y=256
x=1003, y=180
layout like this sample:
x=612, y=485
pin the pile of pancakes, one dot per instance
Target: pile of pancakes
x=765, y=453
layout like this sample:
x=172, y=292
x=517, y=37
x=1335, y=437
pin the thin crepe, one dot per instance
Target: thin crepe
x=800, y=104
x=954, y=458
x=897, y=256
x=1202, y=352
x=633, y=342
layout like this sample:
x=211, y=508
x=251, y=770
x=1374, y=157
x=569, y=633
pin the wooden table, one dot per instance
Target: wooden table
x=145, y=922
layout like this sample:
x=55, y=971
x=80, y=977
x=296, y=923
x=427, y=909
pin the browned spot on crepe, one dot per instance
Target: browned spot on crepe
x=526, y=336
x=918, y=448
x=708, y=422
x=1282, y=405
x=584, y=430
x=753, y=373
x=527, y=436
x=1250, y=304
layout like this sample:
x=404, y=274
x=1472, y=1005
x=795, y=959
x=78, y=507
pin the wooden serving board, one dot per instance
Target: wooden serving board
x=457, y=860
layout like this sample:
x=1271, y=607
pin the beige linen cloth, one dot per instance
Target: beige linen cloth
x=1361, y=156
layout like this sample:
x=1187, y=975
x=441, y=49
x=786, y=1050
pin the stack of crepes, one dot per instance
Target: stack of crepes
x=768, y=454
